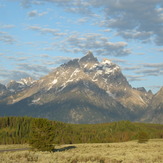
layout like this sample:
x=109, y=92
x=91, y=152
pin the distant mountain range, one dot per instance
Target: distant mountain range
x=82, y=91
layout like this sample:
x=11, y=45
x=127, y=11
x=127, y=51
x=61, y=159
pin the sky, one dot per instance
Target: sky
x=37, y=36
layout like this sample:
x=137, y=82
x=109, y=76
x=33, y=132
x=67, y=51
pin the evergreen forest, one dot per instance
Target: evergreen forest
x=16, y=130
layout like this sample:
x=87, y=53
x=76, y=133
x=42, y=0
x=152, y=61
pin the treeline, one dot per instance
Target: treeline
x=114, y=132
x=16, y=130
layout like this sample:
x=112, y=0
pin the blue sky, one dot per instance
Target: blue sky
x=39, y=35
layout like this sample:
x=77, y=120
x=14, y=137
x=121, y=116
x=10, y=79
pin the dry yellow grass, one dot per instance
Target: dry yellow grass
x=13, y=146
x=127, y=152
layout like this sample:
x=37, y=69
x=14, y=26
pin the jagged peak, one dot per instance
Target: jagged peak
x=89, y=57
x=28, y=80
x=106, y=61
x=160, y=91
x=22, y=82
x=150, y=92
x=142, y=89
x=89, y=53
x=73, y=63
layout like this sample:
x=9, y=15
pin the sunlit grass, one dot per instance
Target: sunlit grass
x=127, y=152
x=13, y=146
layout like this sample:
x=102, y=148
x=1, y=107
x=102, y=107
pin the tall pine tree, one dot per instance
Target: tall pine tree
x=42, y=134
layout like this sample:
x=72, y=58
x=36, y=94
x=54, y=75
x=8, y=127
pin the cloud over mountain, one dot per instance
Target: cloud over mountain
x=138, y=19
x=130, y=31
x=95, y=42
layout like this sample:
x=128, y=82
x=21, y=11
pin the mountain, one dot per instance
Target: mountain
x=16, y=86
x=3, y=91
x=155, y=109
x=81, y=91
x=2, y=88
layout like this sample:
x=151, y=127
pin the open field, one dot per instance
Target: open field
x=126, y=152
x=13, y=146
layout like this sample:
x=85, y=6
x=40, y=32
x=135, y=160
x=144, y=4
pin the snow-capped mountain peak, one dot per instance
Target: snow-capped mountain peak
x=15, y=86
x=107, y=61
x=26, y=81
x=85, y=85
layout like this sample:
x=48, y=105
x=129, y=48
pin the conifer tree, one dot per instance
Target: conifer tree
x=42, y=134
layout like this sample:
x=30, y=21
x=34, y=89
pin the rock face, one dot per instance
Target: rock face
x=3, y=91
x=16, y=86
x=155, y=109
x=13, y=87
x=81, y=91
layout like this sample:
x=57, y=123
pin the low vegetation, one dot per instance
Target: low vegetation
x=143, y=137
x=126, y=152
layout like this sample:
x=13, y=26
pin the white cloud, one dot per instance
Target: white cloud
x=133, y=34
x=149, y=72
x=143, y=18
x=33, y=68
x=16, y=58
x=35, y=13
x=131, y=68
x=96, y=43
x=6, y=75
x=61, y=59
x=6, y=38
x=54, y=32
x=83, y=20
x=132, y=19
x=133, y=78
x=6, y=26
x=145, y=70
x=153, y=65
x=107, y=30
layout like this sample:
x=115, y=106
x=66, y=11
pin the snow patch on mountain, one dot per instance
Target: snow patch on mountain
x=54, y=81
x=85, y=65
x=75, y=72
x=99, y=72
x=26, y=81
x=35, y=101
x=106, y=61
x=111, y=94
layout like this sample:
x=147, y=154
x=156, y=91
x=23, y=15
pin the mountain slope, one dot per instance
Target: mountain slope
x=81, y=91
x=155, y=109
x=80, y=102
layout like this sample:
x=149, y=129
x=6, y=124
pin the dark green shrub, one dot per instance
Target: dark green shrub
x=143, y=137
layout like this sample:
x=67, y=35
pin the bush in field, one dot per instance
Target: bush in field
x=42, y=134
x=143, y=137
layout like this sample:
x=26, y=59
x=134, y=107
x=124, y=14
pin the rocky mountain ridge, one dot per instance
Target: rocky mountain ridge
x=81, y=91
x=14, y=87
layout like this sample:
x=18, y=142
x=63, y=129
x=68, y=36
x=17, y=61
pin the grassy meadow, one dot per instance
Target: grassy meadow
x=13, y=146
x=126, y=152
